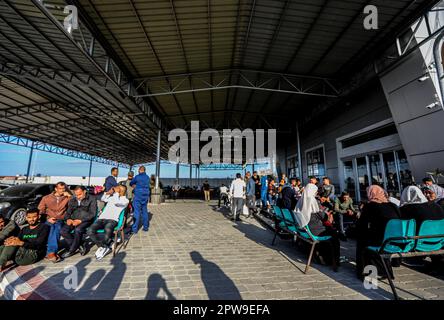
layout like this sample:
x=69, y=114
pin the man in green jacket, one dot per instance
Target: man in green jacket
x=343, y=207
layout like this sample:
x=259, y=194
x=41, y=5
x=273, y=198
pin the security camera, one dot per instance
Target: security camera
x=423, y=78
x=433, y=105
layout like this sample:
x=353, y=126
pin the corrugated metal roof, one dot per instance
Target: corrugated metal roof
x=168, y=37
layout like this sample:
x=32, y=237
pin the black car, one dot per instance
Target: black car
x=15, y=200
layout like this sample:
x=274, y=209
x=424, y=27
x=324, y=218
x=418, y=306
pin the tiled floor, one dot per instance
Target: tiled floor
x=193, y=252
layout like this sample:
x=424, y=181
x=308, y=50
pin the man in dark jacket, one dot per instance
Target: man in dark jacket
x=111, y=181
x=79, y=216
x=288, y=197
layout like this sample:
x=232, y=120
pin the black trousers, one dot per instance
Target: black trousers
x=74, y=239
x=223, y=197
x=365, y=258
x=108, y=226
x=330, y=250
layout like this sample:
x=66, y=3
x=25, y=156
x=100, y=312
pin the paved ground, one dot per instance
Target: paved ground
x=193, y=252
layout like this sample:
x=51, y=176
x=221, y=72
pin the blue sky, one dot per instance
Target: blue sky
x=14, y=160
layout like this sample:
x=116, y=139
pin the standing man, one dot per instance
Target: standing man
x=206, y=190
x=264, y=191
x=251, y=191
x=111, y=181
x=141, y=184
x=129, y=189
x=327, y=189
x=175, y=190
x=237, y=191
x=80, y=215
x=54, y=206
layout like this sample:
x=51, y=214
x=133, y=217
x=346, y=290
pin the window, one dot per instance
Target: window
x=293, y=167
x=371, y=135
x=316, y=162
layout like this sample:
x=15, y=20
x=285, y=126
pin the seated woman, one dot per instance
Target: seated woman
x=310, y=213
x=414, y=205
x=370, y=227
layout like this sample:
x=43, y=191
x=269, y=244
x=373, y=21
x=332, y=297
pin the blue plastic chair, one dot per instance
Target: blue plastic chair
x=395, y=230
x=430, y=228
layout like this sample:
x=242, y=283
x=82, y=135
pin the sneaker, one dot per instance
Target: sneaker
x=82, y=250
x=68, y=254
x=99, y=252
x=104, y=252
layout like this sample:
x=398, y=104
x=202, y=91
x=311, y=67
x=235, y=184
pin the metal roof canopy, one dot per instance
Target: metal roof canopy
x=135, y=66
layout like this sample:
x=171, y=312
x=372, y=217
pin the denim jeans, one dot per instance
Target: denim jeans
x=54, y=236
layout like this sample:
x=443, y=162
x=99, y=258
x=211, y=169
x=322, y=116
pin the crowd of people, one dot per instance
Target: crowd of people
x=76, y=217
x=318, y=207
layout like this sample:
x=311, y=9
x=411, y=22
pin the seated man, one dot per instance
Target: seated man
x=343, y=207
x=7, y=229
x=30, y=245
x=116, y=201
x=79, y=216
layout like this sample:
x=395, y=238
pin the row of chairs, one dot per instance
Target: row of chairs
x=402, y=241
x=284, y=220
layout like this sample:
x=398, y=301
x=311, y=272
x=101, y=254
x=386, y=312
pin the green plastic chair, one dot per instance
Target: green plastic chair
x=431, y=228
x=395, y=230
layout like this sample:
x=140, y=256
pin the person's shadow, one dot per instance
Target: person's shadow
x=155, y=283
x=217, y=284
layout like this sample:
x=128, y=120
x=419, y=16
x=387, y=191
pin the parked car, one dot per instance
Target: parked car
x=15, y=200
x=4, y=186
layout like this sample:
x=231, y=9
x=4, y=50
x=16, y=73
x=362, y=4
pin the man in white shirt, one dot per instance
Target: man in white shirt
x=175, y=190
x=108, y=219
x=223, y=195
x=237, y=192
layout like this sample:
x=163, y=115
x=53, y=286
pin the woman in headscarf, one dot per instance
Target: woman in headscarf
x=309, y=212
x=370, y=227
x=414, y=205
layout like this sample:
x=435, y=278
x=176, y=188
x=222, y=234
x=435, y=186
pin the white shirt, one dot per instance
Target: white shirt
x=237, y=189
x=223, y=190
x=114, y=206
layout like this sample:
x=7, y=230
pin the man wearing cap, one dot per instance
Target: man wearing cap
x=129, y=188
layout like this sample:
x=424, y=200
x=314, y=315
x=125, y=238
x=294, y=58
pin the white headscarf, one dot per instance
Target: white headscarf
x=412, y=195
x=306, y=205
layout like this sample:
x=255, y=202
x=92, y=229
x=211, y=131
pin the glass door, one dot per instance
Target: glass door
x=363, y=178
x=349, y=176
x=391, y=173
x=376, y=171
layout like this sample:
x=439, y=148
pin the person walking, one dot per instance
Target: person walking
x=206, y=190
x=141, y=184
x=237, y=191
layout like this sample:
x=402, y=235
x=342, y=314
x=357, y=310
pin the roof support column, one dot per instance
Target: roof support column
x=90, y=169
x=156, y=197
x=177, y=172
x=299, y=153
x=159, y=136
x=28, y=171
x=191, y=175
